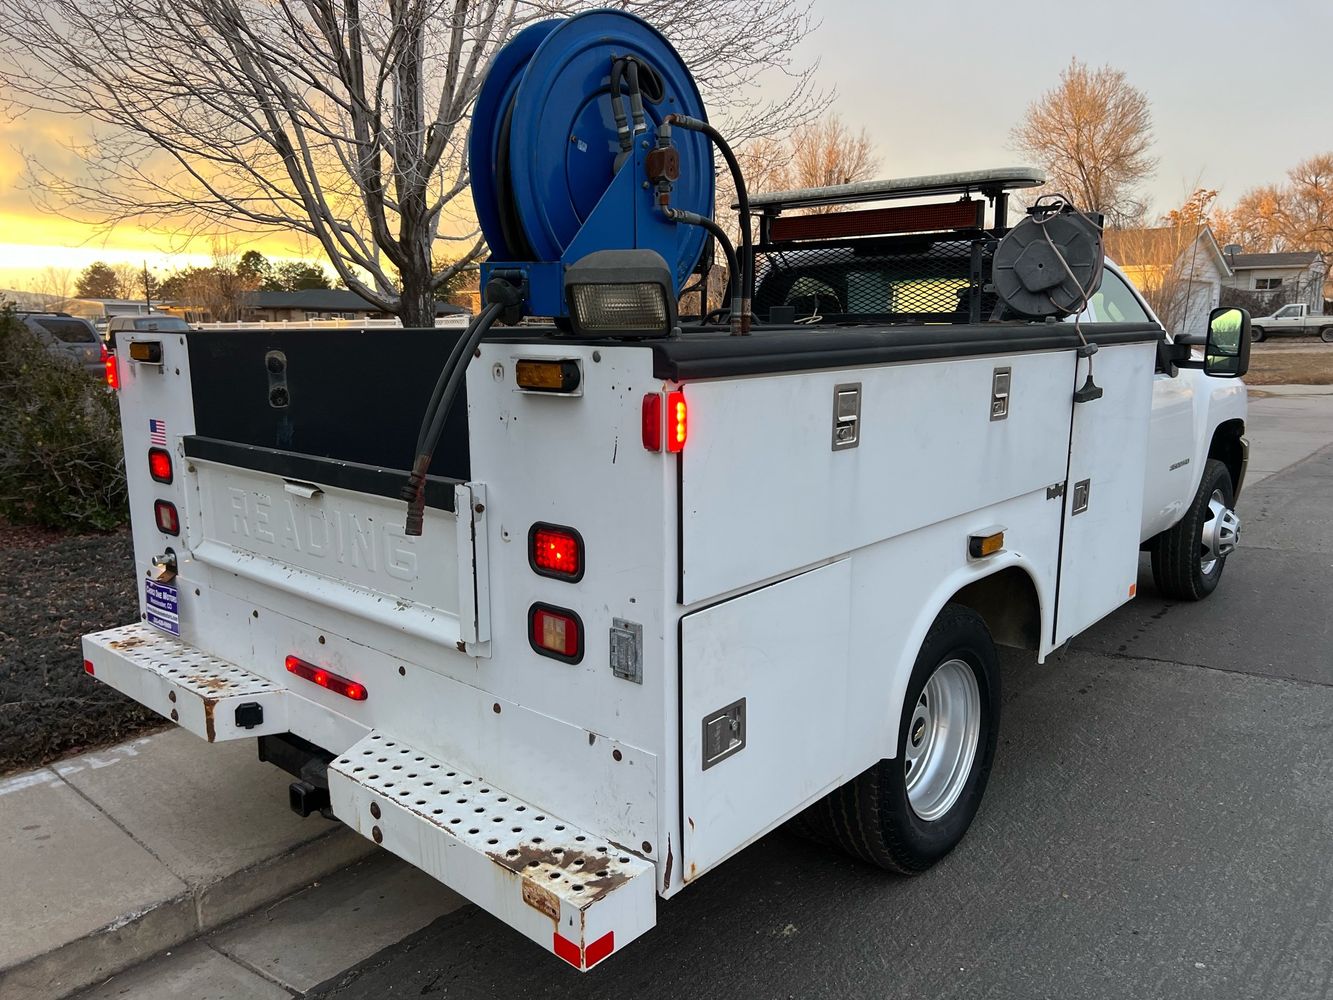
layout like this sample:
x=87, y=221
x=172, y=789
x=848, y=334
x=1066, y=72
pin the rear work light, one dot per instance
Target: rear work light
x=326, y=679
x=159, y=464
x=555, y=632
x=168, y=521
x=556, y=551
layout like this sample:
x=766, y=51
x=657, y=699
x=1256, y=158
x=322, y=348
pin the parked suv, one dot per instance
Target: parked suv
x=68, y=337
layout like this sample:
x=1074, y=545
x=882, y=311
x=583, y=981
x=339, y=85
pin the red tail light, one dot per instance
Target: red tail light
x=677, y=422
x=159, y=464
x=88, y=668
x=556, y=551
x=326, y=679
x=168, y=522
x=652, y=421
x=555, y=632
x=112, y=373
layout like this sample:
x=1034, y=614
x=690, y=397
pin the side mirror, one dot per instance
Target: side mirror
x=1226, y=354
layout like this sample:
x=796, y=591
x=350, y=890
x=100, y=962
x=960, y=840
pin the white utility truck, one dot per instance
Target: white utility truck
x=1293, y=320
x=669, y=587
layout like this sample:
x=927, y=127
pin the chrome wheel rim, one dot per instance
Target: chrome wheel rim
x=942, y=738
x=1221, y=532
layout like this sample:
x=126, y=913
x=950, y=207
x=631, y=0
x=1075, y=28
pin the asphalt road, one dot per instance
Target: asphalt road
x=1159, y=824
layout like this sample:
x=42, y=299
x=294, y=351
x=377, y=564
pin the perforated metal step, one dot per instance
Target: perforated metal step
x=575, y=893
x=198, y=691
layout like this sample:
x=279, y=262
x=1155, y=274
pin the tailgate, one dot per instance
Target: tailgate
x=342, y=548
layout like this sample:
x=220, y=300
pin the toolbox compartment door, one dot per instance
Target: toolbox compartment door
x=1103, y=497
x=775, y=661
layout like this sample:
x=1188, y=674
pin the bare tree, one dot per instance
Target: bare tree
x=342, y=120
x=1092, y=132
x=129, y=280
x=53, y=284
x=1294, y=216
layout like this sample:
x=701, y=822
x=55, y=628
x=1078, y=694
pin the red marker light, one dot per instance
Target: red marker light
x=88, y=668
x=159, y=464
x=168, y=521
x=327, y=679
x=555, y=551
x=555, y=632
x=112, y=373
x=652, y=421
x=677, y=421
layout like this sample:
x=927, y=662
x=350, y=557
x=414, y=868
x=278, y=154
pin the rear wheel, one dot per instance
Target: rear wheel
x=1257, y=334
x=1187, y=559
x=1326, y=335
x=906, y=813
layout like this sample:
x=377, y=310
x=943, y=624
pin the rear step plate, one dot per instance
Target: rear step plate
x=569, y=890
x=208, y=696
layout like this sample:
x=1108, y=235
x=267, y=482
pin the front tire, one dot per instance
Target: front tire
x=1188, y=559
x=906, y=813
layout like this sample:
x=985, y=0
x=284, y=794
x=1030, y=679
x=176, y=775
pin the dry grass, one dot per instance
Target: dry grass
x=1312, y=367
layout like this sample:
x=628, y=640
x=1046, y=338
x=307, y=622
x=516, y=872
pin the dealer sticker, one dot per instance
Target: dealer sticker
x=162, y=606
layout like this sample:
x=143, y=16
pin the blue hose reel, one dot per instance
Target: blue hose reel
x=550, y=178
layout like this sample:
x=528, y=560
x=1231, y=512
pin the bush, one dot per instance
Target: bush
x=61, y=461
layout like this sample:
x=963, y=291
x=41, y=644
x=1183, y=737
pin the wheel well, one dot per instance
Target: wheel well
x=1226, y=448
x=1008, y=601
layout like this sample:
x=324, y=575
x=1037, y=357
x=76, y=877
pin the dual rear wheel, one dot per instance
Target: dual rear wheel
x=907, y=812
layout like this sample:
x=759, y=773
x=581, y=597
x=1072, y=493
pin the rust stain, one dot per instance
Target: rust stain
x=541, y=899
x=694, y=872
x=209, y=681
x=576, y=866
x=129, y=643
x=691, y=819
x=209, y=705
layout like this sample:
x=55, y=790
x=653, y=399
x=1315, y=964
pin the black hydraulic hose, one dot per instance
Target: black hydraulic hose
x=728, y=251
x=635, y=97
x=437, y=412
x=618, y=107
x=742, y=201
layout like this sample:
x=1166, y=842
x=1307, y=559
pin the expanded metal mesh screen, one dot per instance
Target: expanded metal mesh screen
x=909, y=280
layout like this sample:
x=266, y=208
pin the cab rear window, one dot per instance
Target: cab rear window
x=68, y=331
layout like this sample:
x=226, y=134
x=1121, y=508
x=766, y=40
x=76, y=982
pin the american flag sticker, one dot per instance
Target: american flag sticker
x=157, y=432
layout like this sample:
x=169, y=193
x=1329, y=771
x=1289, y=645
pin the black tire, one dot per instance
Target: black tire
x=1257, y=334
x=1176, y=566
x=1326, y=335
x=871, y=817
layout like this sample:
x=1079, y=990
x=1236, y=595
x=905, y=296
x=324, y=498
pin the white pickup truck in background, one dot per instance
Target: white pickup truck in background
x=1293, y=320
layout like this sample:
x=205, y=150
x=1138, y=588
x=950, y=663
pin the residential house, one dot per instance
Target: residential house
x=1179, y=269
x=1276, y=279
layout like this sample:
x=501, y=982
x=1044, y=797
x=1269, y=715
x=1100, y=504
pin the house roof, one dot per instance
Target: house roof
x=328, y=300
x=1161, y=245
x=1250, y=261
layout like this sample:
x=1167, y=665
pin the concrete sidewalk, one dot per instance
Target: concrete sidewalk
x=113, y=856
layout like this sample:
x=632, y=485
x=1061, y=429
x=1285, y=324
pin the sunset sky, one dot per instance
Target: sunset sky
x=1239, y=93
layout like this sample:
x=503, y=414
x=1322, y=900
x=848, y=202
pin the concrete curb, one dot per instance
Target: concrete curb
x=137, y=936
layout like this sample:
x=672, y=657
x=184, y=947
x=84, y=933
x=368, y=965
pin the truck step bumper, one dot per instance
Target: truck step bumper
x=206, y=695
x=574, y=893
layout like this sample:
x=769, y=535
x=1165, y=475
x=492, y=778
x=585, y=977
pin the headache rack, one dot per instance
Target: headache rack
x=919, y=263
